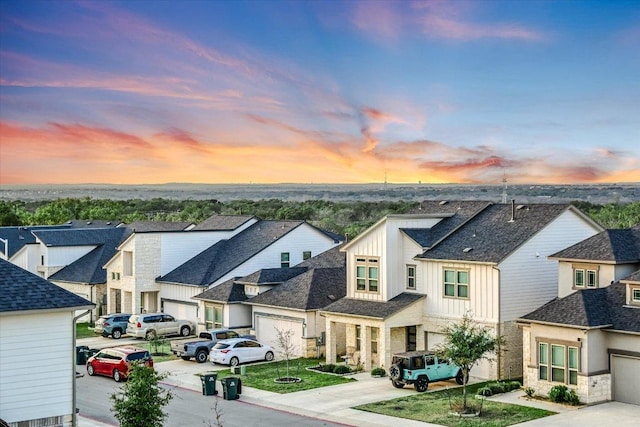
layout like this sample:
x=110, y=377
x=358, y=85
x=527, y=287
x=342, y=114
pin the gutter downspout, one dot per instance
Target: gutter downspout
x=74, y=419
x=498, y=328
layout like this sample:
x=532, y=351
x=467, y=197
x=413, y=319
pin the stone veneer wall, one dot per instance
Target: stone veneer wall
x=511, y=358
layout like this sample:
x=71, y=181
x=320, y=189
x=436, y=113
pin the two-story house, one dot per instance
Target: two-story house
x=409, y=275
x=588, y=338
x=155, y=248
x=266, y=244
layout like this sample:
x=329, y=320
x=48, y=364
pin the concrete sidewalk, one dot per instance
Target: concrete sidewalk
x=334, y=403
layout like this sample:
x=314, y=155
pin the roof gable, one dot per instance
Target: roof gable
x=223, y=222
x=21, y=290
x=613, y=245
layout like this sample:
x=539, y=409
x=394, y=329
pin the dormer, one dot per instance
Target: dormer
x=633, y=289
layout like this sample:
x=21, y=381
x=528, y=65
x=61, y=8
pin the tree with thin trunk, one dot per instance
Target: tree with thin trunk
x=140, y=401
x=467, y=343
x=286, y=347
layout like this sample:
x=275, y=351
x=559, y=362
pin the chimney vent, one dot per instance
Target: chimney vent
x=513, y=210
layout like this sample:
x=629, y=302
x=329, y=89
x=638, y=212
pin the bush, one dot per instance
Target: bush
x=497, y=387
x=485, y=391
x=327, y=368
x=341, y=369
x=514, y=385
x=572, y=397
x=558, y=393
x=529, y=391
x=378, y=372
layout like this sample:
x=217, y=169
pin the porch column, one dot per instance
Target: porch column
x=365, y=347
x=420, y=344
x=384, y=347
x=330, y=345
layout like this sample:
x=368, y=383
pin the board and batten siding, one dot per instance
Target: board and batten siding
x=483, y=291
x=36, y=365
x=528, y=279
x=302, y=238
x=372, y=244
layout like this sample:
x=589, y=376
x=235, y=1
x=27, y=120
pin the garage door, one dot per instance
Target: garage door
x=625, y=373
x=267, y=327
x=181, y=310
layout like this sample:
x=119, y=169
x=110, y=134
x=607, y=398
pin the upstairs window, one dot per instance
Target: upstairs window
x=411, y=276
x=635, y=296
x=585, y=277
x=284, y=259
x=456, y=283
x=127, y=263
x=367, y=274
x=306, y=255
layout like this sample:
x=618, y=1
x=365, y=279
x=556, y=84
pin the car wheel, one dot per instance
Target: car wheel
x=116, y=334
x=397, y=384
x=90, y=370
x=150, y=335
x=185, y=331
x=234, y=361
x=201, y=356
x=269, y=356
x=117, y=376
x=421, y=384
x=460, y=378
x=395, y=371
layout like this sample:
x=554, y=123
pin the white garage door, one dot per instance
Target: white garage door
x=267, y=327
x=181, y=311
x=625, y=375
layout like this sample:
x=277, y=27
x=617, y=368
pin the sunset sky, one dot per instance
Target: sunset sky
x=132, y=92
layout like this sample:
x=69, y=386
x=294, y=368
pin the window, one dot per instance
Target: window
x=456, y=283
x=367, y=274
x=127, y=263
x=635, y=295
x=306, y=255
x=565, y=363
x=543, y=363
x=284, y=259
x=585, y=276
x=374, y=340
x=358, y=335
x=213, y=316
x=411, y=276
x=115, y=276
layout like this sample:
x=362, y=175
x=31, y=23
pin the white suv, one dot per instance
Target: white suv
x=150, y=325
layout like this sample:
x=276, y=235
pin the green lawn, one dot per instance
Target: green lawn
x=83, y=331
x=262, y=376
x=435, y=408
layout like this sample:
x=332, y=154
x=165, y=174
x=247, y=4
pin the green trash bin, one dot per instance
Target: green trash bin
x=81, y=354
x=208, y=381
x=230, y=387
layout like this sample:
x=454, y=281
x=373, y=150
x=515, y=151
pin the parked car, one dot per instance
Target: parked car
x=112, y=324
x=200, y=347
x=115, y=362
x=420, y=368
x=234, y=351
x=149, y=325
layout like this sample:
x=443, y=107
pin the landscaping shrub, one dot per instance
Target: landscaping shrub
x=485, y=391
x=341, y=369
x=572, y=397
x=529, y=391
x=378, y=372
x=514, y=385
x=558, y=393
x=496, y=387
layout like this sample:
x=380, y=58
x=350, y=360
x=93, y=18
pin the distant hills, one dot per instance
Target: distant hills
x=594, y=193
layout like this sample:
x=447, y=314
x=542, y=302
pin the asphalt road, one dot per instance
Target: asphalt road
x=188, y=408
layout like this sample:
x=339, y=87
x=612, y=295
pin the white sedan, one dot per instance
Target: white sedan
x=239, y=350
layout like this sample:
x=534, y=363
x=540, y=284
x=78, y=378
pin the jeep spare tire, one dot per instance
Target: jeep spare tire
x=395, y=371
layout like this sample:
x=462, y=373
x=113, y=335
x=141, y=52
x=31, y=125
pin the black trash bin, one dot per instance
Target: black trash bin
x=208, y=381
x=92, y=351
x=81, y=354
x=230, y=388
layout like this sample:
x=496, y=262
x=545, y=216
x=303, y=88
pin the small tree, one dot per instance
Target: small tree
x=286, y=347
x=140, y=401
x=466, y=344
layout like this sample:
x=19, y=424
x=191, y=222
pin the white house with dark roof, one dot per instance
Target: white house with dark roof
x=264, y=245
x=154, y=249
x=36, y=314
x=588, y=338
x=409, y=275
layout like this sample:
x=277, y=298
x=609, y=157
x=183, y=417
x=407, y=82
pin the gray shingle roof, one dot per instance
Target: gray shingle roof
x=222, y=222
x=16, y=237
x=218, y=260
x=88, y=269
x=271, y=276
x=311, y=290
x=632, y=278
x=490, y=236
x=590, y=308
x=225, y=292
x=158, y=226
x=76, y=236
x=365, y=308
x=21, y=290
x=618, y=245
x=328, y=259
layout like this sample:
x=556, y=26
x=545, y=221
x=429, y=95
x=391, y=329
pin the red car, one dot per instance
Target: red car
x=115, y=362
